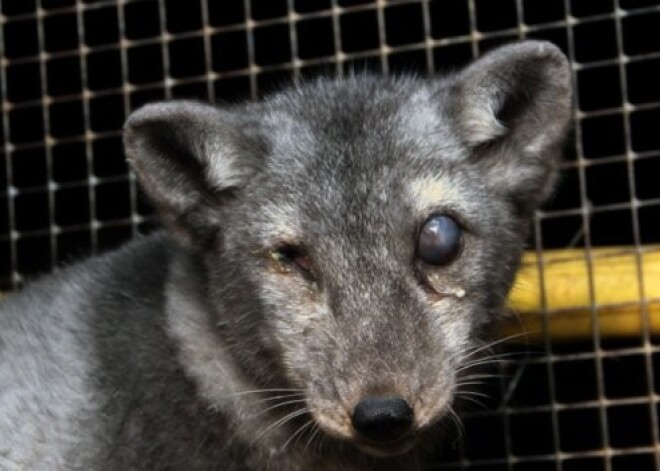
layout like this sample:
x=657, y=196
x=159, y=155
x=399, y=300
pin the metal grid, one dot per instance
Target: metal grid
x=71, y=70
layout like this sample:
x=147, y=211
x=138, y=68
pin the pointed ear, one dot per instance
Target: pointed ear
x=189, y=157
x=512, y=108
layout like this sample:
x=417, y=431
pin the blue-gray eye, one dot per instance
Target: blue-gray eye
x=439, y=240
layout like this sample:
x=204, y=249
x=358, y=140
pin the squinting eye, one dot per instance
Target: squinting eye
x=439, y=240
x=293, y=257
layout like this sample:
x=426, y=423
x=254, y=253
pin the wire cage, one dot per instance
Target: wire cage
x=71, y=71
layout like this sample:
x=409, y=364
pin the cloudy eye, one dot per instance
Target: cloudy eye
x=439, y=240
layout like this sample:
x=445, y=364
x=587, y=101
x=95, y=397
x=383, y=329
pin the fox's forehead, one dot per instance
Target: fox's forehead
x=385, y=211
x=351, y=132
x=371, y=163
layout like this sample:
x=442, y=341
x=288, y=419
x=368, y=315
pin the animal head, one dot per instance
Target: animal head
x=360, y=233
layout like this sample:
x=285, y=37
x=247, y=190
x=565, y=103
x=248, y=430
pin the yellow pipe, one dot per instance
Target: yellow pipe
x=558, y=285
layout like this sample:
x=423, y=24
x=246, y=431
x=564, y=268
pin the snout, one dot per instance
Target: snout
x=382, y=425
x=382, y=419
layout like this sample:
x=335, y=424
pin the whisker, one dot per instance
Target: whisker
x=321, y=442
x=274, y=398
x=257, y=391
x=479, y=348
x=278, y=423
x=483, y=376
x=460, y=427
x=471, y=399
x=297, y=433
x=472, y=393
x=276, y=406
x=469, y=383
x=475, y=365
x=504, y=354
x=494, y=356
x=315, y=430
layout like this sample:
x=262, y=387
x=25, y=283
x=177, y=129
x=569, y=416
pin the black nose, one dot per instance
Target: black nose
x=382, y=418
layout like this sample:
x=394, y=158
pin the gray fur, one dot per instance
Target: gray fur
x=144, y=358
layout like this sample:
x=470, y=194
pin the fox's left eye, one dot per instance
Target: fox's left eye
x=439, y=240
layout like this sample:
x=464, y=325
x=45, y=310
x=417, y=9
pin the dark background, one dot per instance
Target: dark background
x=71, y=71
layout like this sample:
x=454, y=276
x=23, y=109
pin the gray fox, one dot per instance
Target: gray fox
x=332, y=259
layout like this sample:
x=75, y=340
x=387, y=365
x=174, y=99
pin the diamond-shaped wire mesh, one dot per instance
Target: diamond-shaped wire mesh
x=71, y=71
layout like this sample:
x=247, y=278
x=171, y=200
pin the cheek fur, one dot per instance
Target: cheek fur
x=297, y=317
x=451, y=322
x=290, y=299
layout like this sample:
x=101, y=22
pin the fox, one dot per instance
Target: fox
x=332, y=259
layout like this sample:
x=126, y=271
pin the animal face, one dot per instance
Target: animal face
x=336, y=252
x=359, y=234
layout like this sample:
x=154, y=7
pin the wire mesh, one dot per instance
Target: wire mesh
x=71, y=71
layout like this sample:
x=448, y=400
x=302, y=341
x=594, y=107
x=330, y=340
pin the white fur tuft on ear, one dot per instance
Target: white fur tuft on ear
x=520, y=90
x=224, y=169
x=185, y=154
x=512, y=107
x=479, y=120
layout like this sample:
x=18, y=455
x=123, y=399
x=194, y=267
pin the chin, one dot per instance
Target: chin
x=387, y=450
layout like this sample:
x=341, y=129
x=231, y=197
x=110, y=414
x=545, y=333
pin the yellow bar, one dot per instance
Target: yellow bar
x=566, y=293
